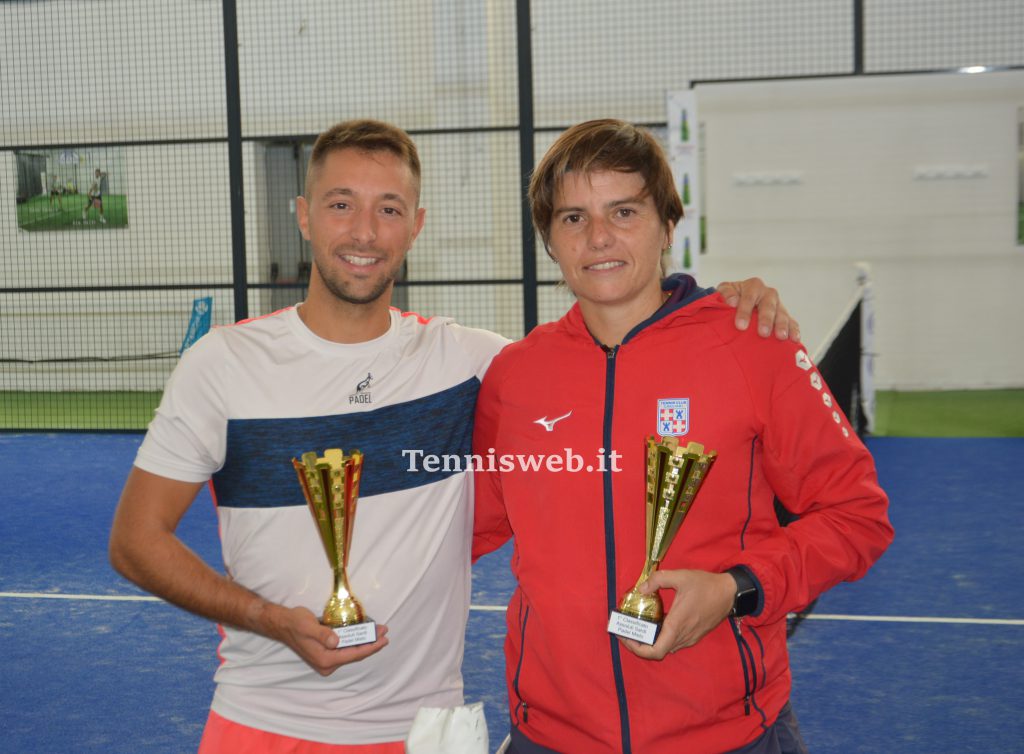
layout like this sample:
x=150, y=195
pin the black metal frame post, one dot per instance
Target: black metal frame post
x=858, y=37
x=233, y=97
x=526, y=159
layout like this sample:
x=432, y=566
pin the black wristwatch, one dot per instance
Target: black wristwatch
x=747, y=594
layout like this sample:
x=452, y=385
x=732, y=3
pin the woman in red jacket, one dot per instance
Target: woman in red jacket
x=562, y=419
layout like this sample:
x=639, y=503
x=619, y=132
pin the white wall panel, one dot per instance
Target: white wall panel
x=938, y=246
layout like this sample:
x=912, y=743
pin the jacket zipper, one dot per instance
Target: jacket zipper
x=520, y=704
x=764, y=671
x=744, y=648
x=609, y=544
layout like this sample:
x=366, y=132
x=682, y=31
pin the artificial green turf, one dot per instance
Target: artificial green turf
x=77, y=411
x=36, y=214
x=953, y=413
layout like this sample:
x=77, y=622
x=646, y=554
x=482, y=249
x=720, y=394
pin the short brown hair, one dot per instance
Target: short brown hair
x=605, y=144
x=369, y=136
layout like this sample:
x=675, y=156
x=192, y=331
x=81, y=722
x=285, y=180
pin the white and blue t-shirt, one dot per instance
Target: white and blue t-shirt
x=248, y=398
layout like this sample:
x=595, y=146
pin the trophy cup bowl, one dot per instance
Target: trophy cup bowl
x=331, y=487
x=674, y=477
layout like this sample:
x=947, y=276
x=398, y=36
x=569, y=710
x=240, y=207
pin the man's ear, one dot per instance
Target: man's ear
x=302, y=215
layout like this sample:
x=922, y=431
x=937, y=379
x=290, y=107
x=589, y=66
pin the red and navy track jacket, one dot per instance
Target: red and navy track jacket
x=579, y=536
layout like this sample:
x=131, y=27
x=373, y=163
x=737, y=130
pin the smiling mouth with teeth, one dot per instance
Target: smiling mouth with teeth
x=604, y=266
x=359, y=261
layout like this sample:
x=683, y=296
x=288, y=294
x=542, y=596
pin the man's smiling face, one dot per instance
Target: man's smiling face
x=361, y=216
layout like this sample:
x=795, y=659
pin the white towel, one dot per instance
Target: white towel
x=449, y=730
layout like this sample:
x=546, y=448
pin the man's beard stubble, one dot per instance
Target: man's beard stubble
x=338, y=288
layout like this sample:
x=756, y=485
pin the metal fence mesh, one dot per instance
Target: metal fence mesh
x=115, y=142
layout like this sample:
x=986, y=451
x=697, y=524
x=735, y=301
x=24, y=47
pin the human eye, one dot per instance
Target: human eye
x=392, y=211
x=338, y=205
x=625, y=212
x=572, y=218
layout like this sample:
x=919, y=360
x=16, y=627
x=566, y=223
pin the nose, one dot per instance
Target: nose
x=364, y=227
x=599, y=235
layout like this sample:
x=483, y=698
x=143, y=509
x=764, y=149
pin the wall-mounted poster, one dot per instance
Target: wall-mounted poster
x=72, y=189
x=684, y=157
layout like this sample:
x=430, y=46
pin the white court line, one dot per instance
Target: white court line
x=47, y=216
x=96, y=597
x=912, y=619
x=501, y=609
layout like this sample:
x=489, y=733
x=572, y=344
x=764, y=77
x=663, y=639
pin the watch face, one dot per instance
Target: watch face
x=747, y=594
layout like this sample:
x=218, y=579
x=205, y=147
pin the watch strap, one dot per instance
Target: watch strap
x=748, y=593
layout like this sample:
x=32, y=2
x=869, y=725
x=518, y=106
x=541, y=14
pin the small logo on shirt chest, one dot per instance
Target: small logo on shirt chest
x=673, y=416
x=362, y=394
x=549, y=424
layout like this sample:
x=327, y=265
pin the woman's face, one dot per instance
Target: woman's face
x=608, y=239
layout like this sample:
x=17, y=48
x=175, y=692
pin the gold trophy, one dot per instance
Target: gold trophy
x=674, y=477
x=331, y=488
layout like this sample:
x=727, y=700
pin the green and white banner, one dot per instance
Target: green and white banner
x=684, y=156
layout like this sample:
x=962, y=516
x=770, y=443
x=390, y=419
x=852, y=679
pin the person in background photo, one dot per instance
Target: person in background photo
x=95, y=196
x=55, y=193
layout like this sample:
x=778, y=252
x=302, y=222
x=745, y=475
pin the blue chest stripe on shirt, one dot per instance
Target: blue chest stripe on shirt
x=258, y=470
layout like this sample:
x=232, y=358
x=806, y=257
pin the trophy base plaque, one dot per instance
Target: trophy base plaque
x=356, y=635
x=628, y=627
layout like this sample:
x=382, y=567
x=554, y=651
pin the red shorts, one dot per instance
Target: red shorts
x=222, y=736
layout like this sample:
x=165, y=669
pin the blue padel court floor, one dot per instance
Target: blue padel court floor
x=924, y=655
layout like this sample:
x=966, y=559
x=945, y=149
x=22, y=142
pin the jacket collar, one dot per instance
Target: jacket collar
x=682, y=289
